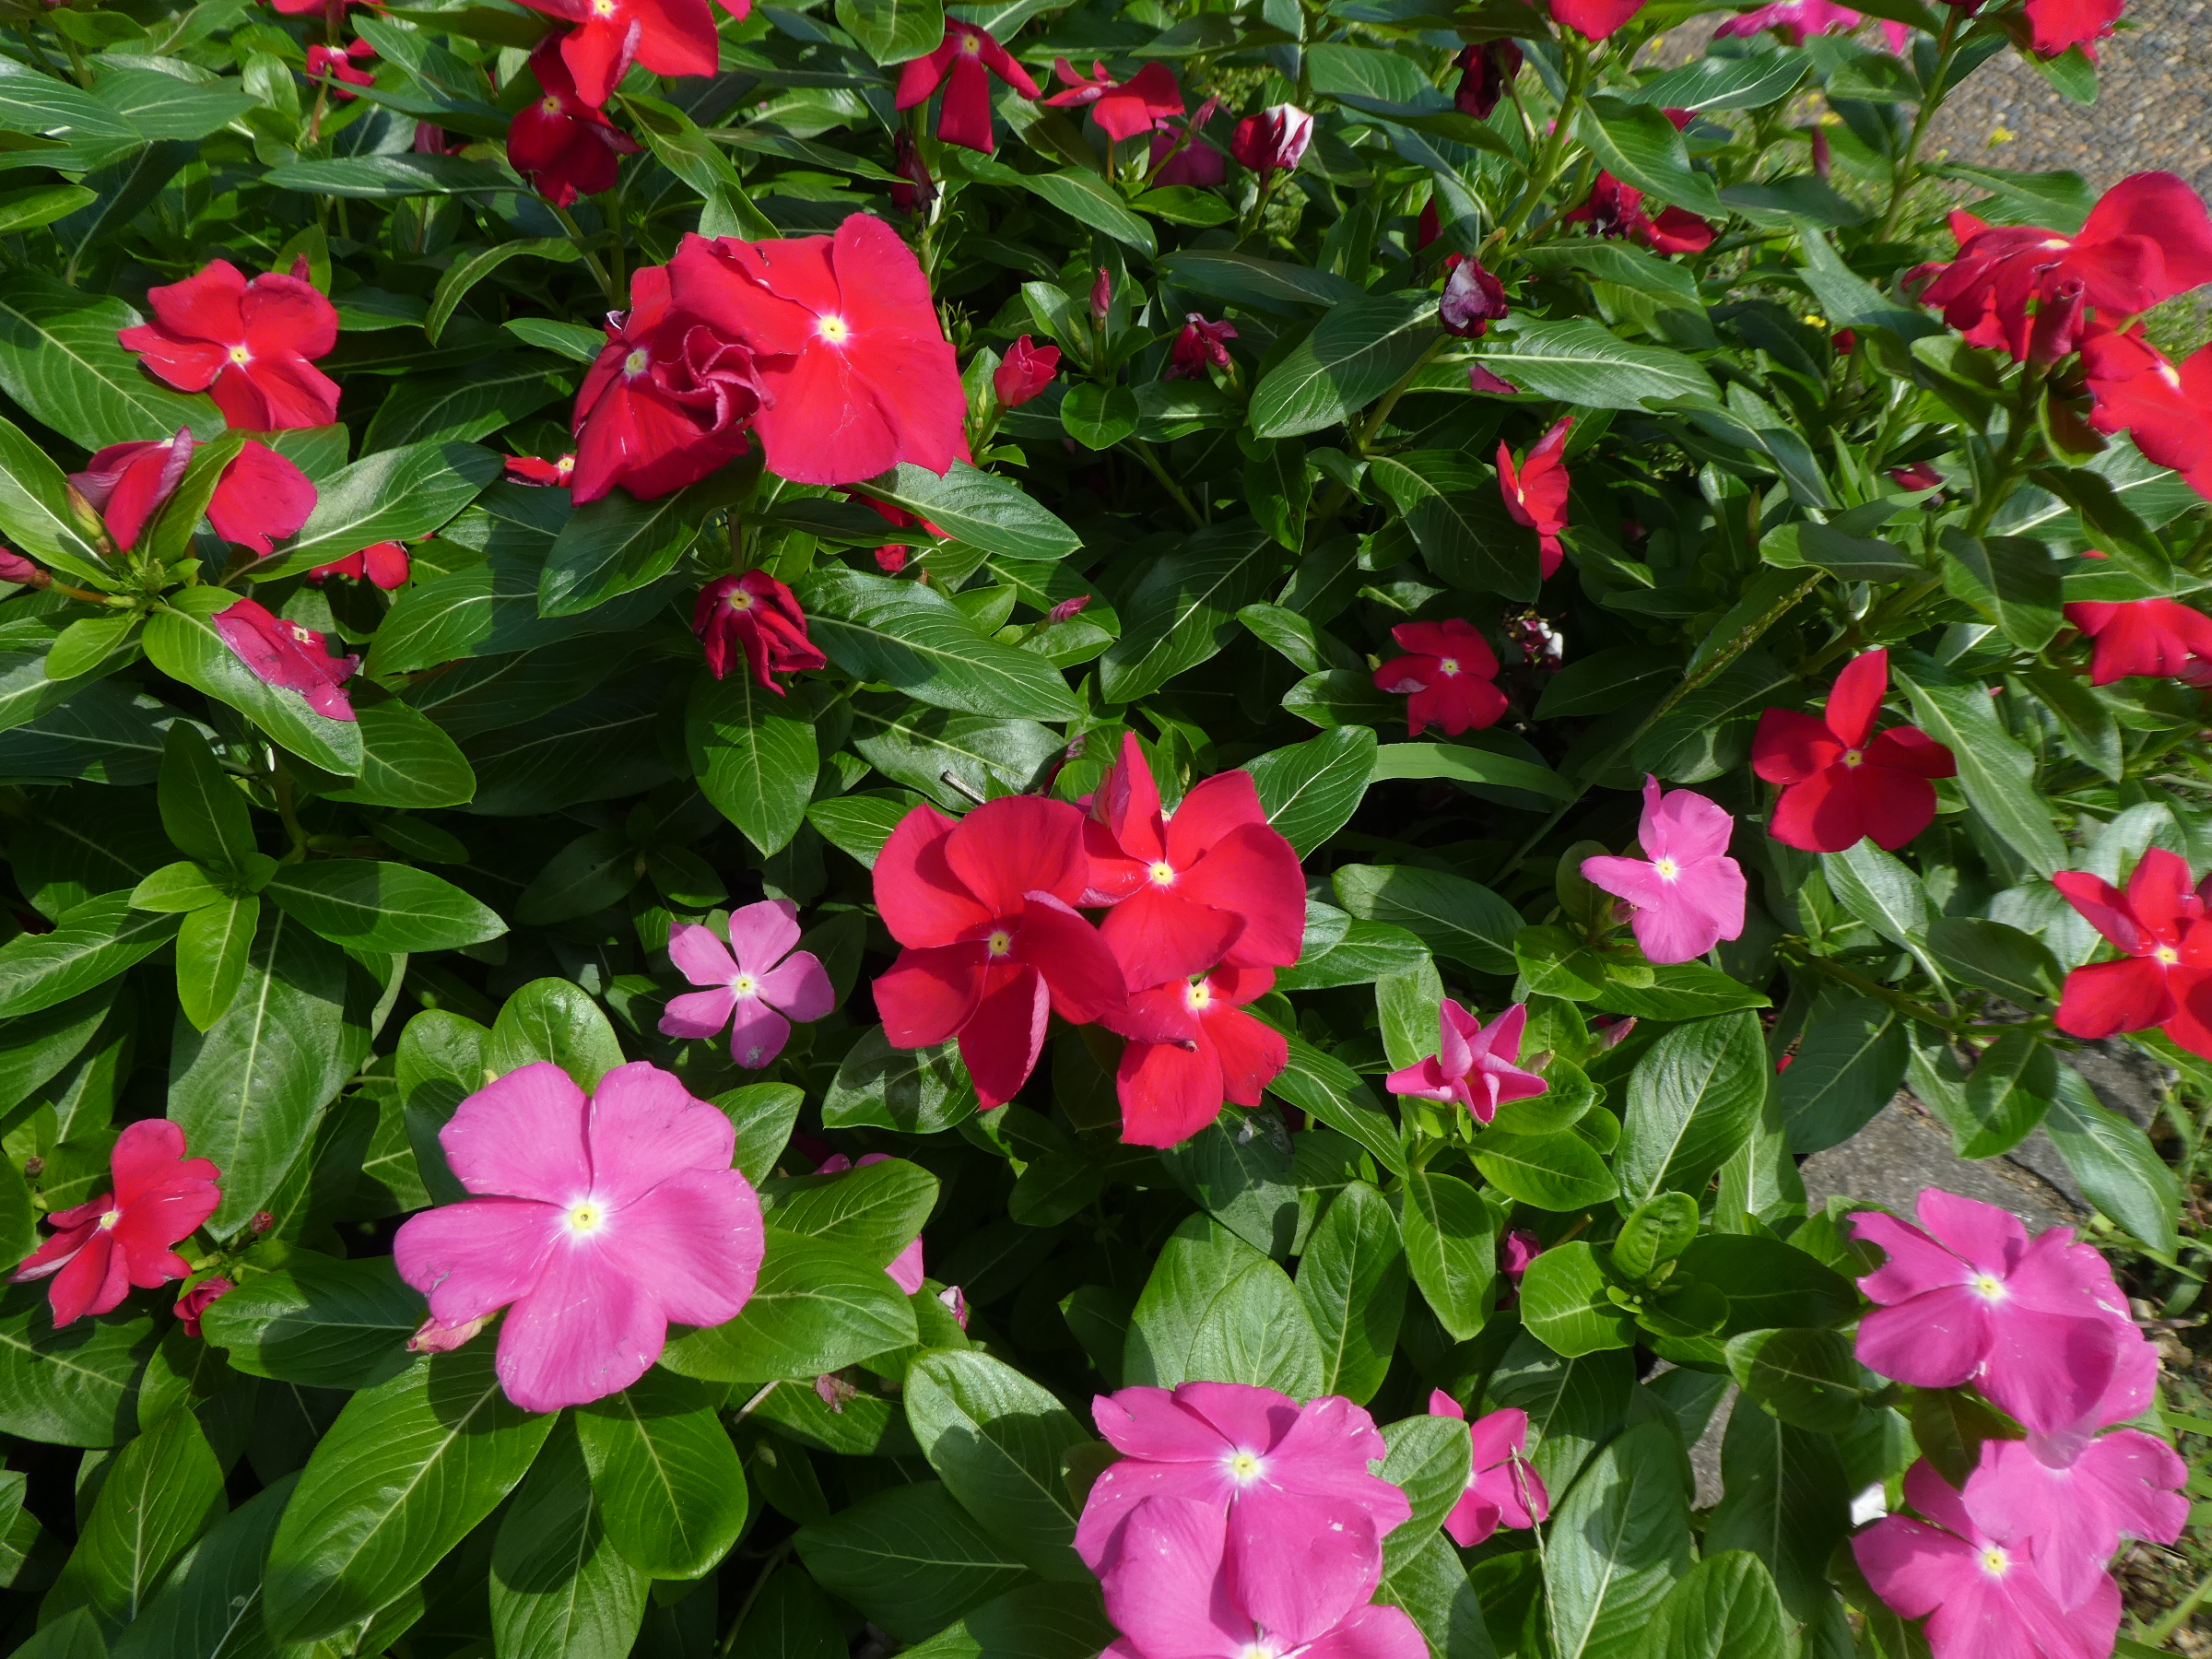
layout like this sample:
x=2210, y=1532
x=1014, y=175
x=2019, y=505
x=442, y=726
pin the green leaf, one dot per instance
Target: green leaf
x=999, y=1442
x=1326, y=1089
x=60, y=359
x=1997, y=775
x=668, y=1483
x=1360, y=349
x=36, y=205
x=1428, y=1460
x=406, y=761
x=2011, y=580
x=1457, y=518
x=1852, y=1058
x=559, y=1589
x=210, y=1607
x=382, y=177
x=818, y=1307
x=754, y=753
x=1693, y=1100
x=1310, y=790
x=1098, y=417
x=492, y=392
x=789, y=1619
x=554, y=1019
x=917, y=745
x=1581, y=362
x=1460, y=920
x=1352, y=1280
x=463, y=274
x=489, y=609
x=1881, y=890
x=1564, y=1304
x=1731, y=83
x=1183, y=611
x=319, y=1322
x=1084, y=197
x=405, y=1473
x=1725, y=1606
x=1561, y=1171
x=2016, y=966
x=1468, y=763
x=1769, y=1284
x=1246, y=279
x=1450, y=1240
x=1037, y=1621
x=876, y=1209
x=2115, y=1163
x=1637, y=143
x=1620, y=1540
x=1807, y=1378
x=619, y=544
x=1785, y=1498
x=977, y=508
x=202, y=813
x=1432, y=1586
x=90, y=943
x=365, y=905
x=395, y=495
x=913, y=637
x=911, y=1558
x=35, y=514
x=77, y=1387
x=1215, y=1308
x=185, y=644
x=162, y=1491
x=917, y=1091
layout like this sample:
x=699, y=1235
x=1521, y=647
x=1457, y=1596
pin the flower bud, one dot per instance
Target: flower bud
x=431, y=1337
x=261, y=1223
x=1472, y=300
x=918, y=189
x=18, y=569
x=1484, y=71
x=1101, y=296
x=1027, y=370
x=1273, y=141
x=1067, y=610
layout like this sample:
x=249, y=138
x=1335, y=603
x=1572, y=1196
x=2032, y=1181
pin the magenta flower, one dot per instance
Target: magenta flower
x=288, y=655
x=1474, y=1062
x=1267, y=1471
x=2072, y=1516
x=1690, y=894
x=598, y=1222
x=1982, y=1598
x=1967, y=1296
x=1502, y=1488
x=1794, y=20
x=760, y=977
x=905, y=1268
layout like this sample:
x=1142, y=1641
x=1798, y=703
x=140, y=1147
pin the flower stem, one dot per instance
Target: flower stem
x=1144, y=453
x=1554, y=147
x=1905, y=173
x=608, y=285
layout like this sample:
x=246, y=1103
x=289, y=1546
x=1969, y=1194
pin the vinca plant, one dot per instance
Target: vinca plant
x=1030, y=831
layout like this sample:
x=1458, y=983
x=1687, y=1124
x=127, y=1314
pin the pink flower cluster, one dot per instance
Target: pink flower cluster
x=2013, y=1566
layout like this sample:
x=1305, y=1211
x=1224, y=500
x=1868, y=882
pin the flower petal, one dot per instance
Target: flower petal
x=522, y=1136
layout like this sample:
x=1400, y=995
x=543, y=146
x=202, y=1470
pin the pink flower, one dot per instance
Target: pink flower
x=1446, y=676
x=100, y=1249
x=1968, y=1297
x=2072, y=1516
x=1794, y=20
x=1263, y=1474
x=906, y=1269
x=288, y=655
x=260, y=499
x=385, y=564
x=963, y=63
x=1025, y=372
x=1473, y=1065
x=193, y=1302
x=1690, y=894
x=1981, y=1599
x=341, y=65
x=1502, y=1488
x=2058, y=24
x=1101, y=297
x=1123, y=108
x=537, y=474
x=128, y=483
x=1273, y=141
x=760, y=977
x=1536, y=491
x=1481, y=380
x=1199, y=344
x=18, y=569
x=246, y=344
x=432, y=1337
x=1183, y=156
x=1593, y=20
x=598, y=1222
x=1473, y=299
x=1515, y=1252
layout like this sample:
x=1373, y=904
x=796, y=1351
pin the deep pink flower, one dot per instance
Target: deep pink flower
x=2158, y=924
x=1613, y=208
x=564, y=146
x=1968, y=1297
x=1536, y=491
x=915, y=189
x=1473, y=1065
x=963, y=63
x=1192, y=1050
x=1793, y=20
x=1273, y=141
x=2071, y=1516
x=1201, y=345
x=246, y=344
x=754, y=616
x=1841, y=782
x=539, y=473
x=1919, y=476
x=598, y=1223
x=1446, y=676
x=1690, y=894
x=193, y=1302
x=760, y=981
x=906, y=1269
x=98, y=1250
x=2161, y=637
x=18, y=569
x=128, y=483
x=1501, y=1488
x=1516, y=1250
x=1024, y=372
x=1181, y=156
x=2055, y=24
x=1271, y=1478
x=1481, y=380
x=1485, y=70
x=1067, y=610
x=1123, y=108
x=1101, y=297
x=385, y=564
x=1981, y=1599
x=1593, y=20
x=1473, y=299
x=342, y=66
x=668, y=37
x=289, y=656
x=2160, y=404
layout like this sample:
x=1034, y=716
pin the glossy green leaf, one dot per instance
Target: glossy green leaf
x=1352, y=1280
x=367, y=905
x=669, y=1488
x=1000, y=1442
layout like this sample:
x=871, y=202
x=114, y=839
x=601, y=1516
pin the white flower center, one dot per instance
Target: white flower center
x=1199, y=997
x=973, y=45
x=584, y=1218
x=1162, y=873
x=306, y=636
x=1989, y=1286
x=2166, y=373
x=741, y=600
x=110, y=1219
x=1995, y=1561
x=833, y=329
x=1244, y=1467
x=999, y=943
x=241, y=355
x=744, y=985
x=1667, y=868
x=1448, y=666
x=2166, y=956
x=636, y=362
x=549, y=104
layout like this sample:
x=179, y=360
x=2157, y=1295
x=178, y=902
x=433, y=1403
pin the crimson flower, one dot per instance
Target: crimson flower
x=564, y=147
x=128, y=483
x=2158, y=924
x=756, y=615
x=855, y=373
x=1536, y=491
x=342, y=66
x=247, y=345
x=1024, y=372
x=891, y=558
x=2054, y=25
x=123, y=1238
x=963, y=63
x=1123, y=108
x=1473, y=299
x=539, y=473
x=1839, y=786
x=1481, y=380
x=1273, y=141
x=1593, y=20
x=1199, y=344
x=668, y=400
x=1613, y=208
x=193, y=1302
x=1212, y=883
x=384, y=564
x=285, y=654
x=2160, y=637
x=1192, y=1048
x=261, y=498
x=2160, y=404
x=985, y=911
x=915, y=189
x=1485, y=70
x=1448, y=669
x=669, y=37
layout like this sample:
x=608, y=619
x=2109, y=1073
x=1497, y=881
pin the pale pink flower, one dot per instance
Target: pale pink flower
x=1474, y=1062
x=1688, y=893
x=1982, y=1599
x=1267, y=1472
x=905, y=1268
x=2072, y=1516
x=598, y=1222
x=431, y=1337
x=760, y=977
x=1502, y=1488
x=1967, y=1296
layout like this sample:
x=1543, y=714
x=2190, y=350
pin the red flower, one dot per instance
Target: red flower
x=1838, y=786
x=1184, y=158
x=1192, y=1048
x=1473, y=299
x=1448, y=669
x=2158, y=924
x=537, y=474
x=1481, y=380
x=123, y=1238
x=669, y=37
x=1595, y=19
x=2160, y=404
x=1273, y=141
x=1024, y=372
x=564, y=147
x=855, y=372
x=916, y=189
x=285, y=654
x=668, y=401
x=758, y=616
x=1123, y=108
x=1536, y=492
x=385, y=564
x=2055, y=24
x=984, y=908
x=2036, y=293
x=1484, y=71
x=193, y=1302
x=1213, y=883
x=1613, y=208
x=2143, y=636
x=127, y=482
x=963, y=63
x=246, y=344
x=340, y=65
x=1917, y=476
x=1200, y=343
x=261, y=498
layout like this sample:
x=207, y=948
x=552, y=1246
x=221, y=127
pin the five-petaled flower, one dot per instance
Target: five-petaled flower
x=564, y=146
x=598, y=1223
x=2160, y=637
x=668, y=37
x=1121, y=109
x=247, y=345
x=756, y=616
x=1474, y=1065
x=342, y=66
x=2054, y=25
x=1686, y=893
x=2159, y=404
x=128, y=483
x=1502, y=1491
x=2163, y=977
x=757, y=984
x=1193, y=1049
x=1447, y=675
x=1841, y=781
x=963, y=63
x=2071, y=1513
x=288, y=656
x=124, y=1237
x=1536, y=491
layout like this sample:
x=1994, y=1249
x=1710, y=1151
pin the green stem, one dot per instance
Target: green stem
x=1904, y=1004
x=767, y=1568
x=1143, y=452
x=1389, y=401
x=1905, y=174
x=592, y=261
x=1554, y=147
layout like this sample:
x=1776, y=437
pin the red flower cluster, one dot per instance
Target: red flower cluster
x=248, y=345
x=1201, y=907
x=2146, y=636
x=124, y=1237
x=2163, y=979
x=1839, y=780
x=756, y=618
x=2162, y=406
x=1448, y=670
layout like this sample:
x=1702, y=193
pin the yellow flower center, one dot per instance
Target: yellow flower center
x=1996, y=1562
x=1447, y=667
x=1244, y=1467
x=603, y=8
x=110, y=1219
x=833, y=329
x=999, y=943
x=549, y=104
x=1854, y=757
x=636, y=362
x=1162, y=873
x=1199, y=997
x=1988, y=1286
x=241, y=355
x=973, y=45
x=585, y=1218
x=744, y=985
x=1668, y=869
x=741, y=600
x=2166, y=956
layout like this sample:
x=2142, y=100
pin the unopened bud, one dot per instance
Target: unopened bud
x=261, y=1223
x=431, y=1337
x=1101, y=294
x=1067, y=610
x=18, y=569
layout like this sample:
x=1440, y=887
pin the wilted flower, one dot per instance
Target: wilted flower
x=756, y=616
x=1199, y=344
